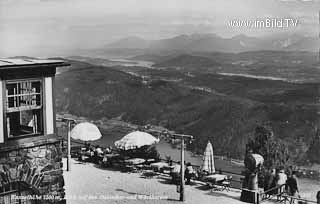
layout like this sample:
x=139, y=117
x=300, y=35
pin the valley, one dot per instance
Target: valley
x=222, y=108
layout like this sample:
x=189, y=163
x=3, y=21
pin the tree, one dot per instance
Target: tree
x=314, y=149
x=273, y=150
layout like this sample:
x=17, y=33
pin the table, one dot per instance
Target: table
x=111, y=155
x=215, y=178
x=159, y=165
x=109, y=159
x=135, y=161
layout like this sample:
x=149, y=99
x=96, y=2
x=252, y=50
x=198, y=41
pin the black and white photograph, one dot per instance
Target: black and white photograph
x=159, y=101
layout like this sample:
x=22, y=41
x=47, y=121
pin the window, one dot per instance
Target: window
x=24, y=108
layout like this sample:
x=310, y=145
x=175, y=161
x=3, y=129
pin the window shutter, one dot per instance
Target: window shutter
x=49, y=105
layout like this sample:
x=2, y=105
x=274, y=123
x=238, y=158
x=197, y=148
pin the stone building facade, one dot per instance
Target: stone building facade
x=30, y=150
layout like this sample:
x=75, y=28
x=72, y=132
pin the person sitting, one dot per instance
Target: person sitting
x=189, y=172
x=98, y=151
x=108, y=150
x=85, y=152
x=87, y=146
x=91, y=151
x=97, y=154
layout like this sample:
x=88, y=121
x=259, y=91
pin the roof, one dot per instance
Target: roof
x=19, y=63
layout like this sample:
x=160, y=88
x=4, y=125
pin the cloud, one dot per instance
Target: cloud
x=300, y=1
x=28, y=24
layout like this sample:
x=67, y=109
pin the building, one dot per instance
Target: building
x=30, y=150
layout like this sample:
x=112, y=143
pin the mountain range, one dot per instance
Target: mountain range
x=215, y=43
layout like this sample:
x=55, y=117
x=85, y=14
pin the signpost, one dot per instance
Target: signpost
x=182, y=137
x=69, y=121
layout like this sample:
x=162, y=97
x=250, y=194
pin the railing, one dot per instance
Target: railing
x=293, y=198
x=268, y=195
x=282, y=196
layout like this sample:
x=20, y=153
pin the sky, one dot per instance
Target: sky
x=44, y=27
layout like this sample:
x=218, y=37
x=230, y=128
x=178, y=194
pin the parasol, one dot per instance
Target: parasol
x=86, y=132
x=135, y=140
x=208, y=159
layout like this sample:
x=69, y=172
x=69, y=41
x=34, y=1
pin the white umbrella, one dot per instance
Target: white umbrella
x=208, y=159
x=86, y=132
x=135, y=140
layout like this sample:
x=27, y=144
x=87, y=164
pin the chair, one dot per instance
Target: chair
x=226, y=184
x=213, y=187
x=149, y=174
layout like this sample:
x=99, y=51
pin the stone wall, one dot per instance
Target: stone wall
x=39, y=167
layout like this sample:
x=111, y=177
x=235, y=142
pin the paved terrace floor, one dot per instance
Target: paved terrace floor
x=86, y=183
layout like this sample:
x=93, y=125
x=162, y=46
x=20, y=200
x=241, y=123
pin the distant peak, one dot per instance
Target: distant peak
x=132, y=38
x=241, y=36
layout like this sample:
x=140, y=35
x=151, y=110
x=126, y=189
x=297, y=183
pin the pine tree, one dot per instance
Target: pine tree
x=314, y=149
x=273, y=150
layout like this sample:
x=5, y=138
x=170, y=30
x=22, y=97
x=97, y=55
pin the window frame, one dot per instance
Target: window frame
x=42, y=107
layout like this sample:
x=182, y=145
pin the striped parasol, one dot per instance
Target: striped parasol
x=86, y=132
x=135, y=140
x=208, y=159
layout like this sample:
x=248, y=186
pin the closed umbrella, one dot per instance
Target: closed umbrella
x=208, y=159
x=135, y=140
x=86, y=132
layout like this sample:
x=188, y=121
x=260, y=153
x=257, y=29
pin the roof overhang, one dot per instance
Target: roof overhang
x=21, y=68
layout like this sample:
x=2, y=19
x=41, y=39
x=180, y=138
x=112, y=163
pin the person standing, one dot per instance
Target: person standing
x=280, y=182
x=270, y=181
x=318, y=197
x=292, y=184
x=175, y=173
x=289, y=170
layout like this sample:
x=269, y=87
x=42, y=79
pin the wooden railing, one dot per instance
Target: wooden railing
x=280, y=197
x=289, y=199
x=268, y=194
